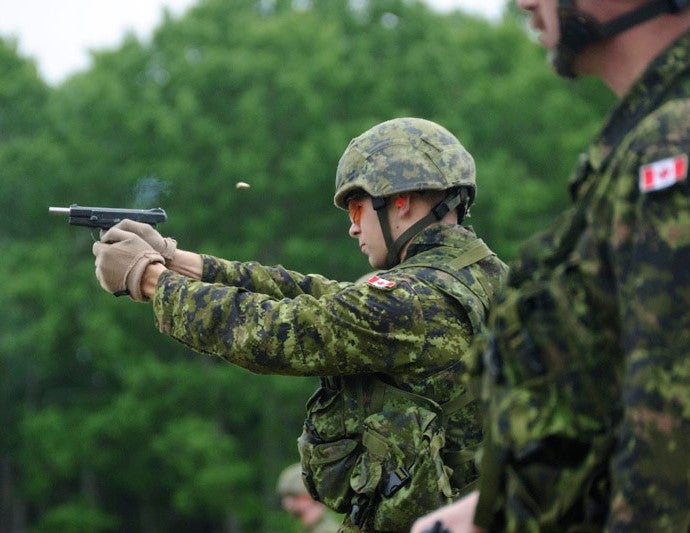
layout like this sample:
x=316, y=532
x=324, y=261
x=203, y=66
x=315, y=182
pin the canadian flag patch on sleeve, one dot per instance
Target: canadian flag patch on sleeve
x=380, y=283
x=663, y=173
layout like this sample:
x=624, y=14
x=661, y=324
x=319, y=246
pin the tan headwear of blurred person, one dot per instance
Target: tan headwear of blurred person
x=295, y=499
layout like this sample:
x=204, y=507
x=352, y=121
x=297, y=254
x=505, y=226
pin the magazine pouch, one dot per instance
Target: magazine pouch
x=329, y=446
x=400, y=471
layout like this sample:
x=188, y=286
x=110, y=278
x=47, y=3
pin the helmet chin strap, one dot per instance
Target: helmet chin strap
x=578, y=30
x=450, y=202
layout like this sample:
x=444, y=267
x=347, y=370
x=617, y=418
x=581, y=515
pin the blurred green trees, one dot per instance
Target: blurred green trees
x=109, y=426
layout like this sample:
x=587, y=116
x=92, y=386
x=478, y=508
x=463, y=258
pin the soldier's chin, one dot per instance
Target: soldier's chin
x=562, y=60
x=376, y=265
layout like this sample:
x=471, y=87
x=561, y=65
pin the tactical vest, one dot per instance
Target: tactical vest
x=375, y=452
x=550, y=434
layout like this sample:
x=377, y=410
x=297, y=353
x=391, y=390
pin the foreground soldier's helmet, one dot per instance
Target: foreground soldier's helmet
x=404, y=155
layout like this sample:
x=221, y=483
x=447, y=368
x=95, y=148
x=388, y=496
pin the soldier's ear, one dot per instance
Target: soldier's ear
x=402, y=201
x=401, y=205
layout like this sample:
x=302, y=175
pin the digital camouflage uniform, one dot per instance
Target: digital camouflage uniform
x=273, y=321
x=587, y=372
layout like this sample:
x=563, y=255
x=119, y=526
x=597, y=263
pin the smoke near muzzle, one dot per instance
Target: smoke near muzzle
x=149, y=192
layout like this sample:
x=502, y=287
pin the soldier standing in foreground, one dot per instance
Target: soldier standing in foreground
x=389, y=351
x=587, y=371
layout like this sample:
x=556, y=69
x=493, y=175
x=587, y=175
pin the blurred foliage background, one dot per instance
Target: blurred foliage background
x=106, y=424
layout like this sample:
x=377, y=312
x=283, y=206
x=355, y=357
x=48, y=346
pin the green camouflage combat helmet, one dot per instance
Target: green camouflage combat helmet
x=406, y=155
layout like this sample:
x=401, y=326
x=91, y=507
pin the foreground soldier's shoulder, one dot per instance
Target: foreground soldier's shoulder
x=660, y=146
x=665, y=130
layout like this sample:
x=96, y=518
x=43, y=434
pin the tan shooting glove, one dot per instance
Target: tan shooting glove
x=121, y=259
x=163, y=245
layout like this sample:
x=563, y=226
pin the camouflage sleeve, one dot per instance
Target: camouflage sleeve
x=651, y=251
x=356, y=329
x=275, y=281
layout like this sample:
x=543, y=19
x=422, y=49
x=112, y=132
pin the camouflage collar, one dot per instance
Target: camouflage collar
x=648, y=93
x=437, y=235
x=651, y=89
